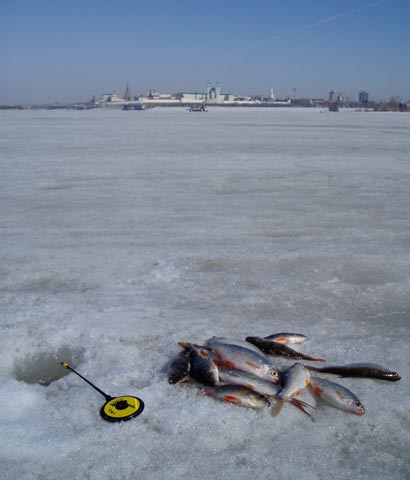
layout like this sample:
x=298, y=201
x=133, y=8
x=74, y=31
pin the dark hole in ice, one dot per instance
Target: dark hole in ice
x=44, y=367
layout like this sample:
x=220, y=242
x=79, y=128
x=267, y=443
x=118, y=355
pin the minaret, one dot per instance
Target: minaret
x=128, y=94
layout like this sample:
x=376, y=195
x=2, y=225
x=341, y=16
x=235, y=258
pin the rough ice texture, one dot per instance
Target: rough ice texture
x=123, y=233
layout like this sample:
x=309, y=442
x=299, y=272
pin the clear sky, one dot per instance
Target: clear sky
x=70, y=50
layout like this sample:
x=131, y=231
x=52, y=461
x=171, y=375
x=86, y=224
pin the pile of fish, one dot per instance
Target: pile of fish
x=243, y=372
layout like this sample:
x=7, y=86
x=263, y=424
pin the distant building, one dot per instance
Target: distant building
x=332, y=96
x=186, y=97
x=128, y=95
x=109, y=98
x=363, y=97
x=212, y=95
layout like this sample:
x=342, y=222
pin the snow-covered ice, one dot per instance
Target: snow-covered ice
x=122, y=233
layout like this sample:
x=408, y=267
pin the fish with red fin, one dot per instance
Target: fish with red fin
x=272, y=347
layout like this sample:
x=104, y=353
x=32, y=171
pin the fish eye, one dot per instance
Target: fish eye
x=359, y=405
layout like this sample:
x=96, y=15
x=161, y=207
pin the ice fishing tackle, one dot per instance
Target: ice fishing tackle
x=115, y=409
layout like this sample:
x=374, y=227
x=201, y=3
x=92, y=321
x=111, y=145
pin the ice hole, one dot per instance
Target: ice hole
x=45, y=367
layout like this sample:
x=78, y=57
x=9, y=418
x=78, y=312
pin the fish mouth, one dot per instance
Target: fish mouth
x=359, y=409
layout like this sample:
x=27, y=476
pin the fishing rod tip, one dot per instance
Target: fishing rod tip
x=65, y=365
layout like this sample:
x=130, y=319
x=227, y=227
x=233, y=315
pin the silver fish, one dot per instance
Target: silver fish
x=238, y=377
x=259, y=385
x=238, y=395
x=336, y=395
x=235, y=357
x=362, y=370
x=287, y=338
x=294, y=380
x=214, y=341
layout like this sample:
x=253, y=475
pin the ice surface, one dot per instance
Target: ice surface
x=123, y=233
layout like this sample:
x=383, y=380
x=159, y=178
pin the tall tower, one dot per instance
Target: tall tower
x=218, y=89
x=128, y=94
x=363, y=97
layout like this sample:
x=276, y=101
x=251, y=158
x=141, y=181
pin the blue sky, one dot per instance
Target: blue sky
x=70, y=50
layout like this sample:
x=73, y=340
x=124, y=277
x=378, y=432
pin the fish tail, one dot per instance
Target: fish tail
x=301, y=406
x=276, y=409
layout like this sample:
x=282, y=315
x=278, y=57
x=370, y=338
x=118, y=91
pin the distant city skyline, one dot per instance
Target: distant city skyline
x=68, y=51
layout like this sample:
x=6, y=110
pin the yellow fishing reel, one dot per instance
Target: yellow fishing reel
x=121, y=408
x=115, y=409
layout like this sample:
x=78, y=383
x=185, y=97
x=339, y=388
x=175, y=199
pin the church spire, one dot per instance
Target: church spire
x=128, y=94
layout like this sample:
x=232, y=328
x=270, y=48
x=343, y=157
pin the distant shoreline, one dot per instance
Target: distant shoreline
x=263, y=105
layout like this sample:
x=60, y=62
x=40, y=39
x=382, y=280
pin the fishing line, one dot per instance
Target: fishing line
x=115, y=409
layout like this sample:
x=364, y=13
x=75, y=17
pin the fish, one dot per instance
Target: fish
x=179, y=367
x=276, y=348
x=202, y=367
x=259, y=385
x=294, y=380
x=238, y=377
x=336, y=395
x=236, y=357
x=287, y=338
x=362, y=370
x=238, y=395
x=233, y=341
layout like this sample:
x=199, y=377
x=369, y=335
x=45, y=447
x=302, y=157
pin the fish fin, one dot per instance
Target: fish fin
x=301, y=406
x=277, y=407
x=231, y=399
x=251, y=387
x=184, y=344
x=219, y=363
x=203, y=354
x=340, y=395
x=186, y=381
x=227, y=364
x=251, y=364
x=317, y=390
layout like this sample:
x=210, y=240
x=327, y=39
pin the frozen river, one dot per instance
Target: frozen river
x=122, y=233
